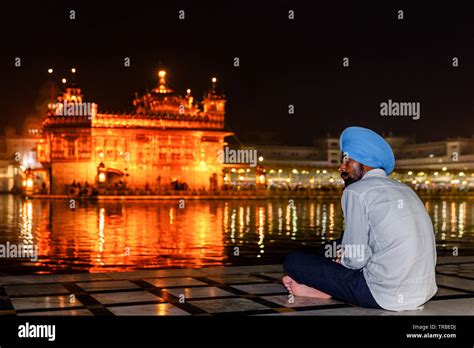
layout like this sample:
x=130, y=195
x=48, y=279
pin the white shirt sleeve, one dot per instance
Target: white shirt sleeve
x=356, y=250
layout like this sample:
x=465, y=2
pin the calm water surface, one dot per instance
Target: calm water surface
x=119, y=236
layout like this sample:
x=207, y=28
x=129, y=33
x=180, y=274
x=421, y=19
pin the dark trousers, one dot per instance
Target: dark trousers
x=320, y=272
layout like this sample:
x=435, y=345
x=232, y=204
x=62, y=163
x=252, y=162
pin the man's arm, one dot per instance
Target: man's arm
x=356, y=251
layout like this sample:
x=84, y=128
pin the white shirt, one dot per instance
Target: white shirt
x=389, y=234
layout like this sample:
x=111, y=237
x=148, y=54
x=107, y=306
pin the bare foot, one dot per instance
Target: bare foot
x=287, y=281
x=303, y=290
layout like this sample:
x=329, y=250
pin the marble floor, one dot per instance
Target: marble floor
x=247, y=290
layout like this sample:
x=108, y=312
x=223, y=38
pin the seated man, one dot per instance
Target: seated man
x=388, y=254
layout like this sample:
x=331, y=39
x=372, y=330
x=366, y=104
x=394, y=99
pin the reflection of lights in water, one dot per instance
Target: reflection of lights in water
x=270, y=218
x=26, y=213
x=232, y=225
x=324, y=221
x=331, y=218
x=444, y=216
x=435, y=217
x=462, y=218
x=454, y=219
x=261, y=227
x=76, y=238
x=280, y=220
x=318, y=217
x=101, y=235
x=226, y=218
x=171, y=215
x=247, y=216
x=241, y=222
x=294, y=222
x=288, y=219
x=311, y=215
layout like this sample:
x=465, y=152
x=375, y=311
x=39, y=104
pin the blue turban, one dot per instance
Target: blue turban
x=367, y=147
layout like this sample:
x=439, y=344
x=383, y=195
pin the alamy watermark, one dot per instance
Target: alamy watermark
x=393, y=108
x=240, y=156
x=73, y=109
x=19, y=251
x=350, y=251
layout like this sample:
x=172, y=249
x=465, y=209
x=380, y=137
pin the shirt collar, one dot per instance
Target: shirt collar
x=375, y=172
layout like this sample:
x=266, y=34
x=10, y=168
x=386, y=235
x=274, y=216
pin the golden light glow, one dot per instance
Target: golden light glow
x=241, y=178
x=73, y=70
x=261, y=179
x=63, y=80
x=24, y=182
x=260, y=159
x=444, y=169
x=162, y=73
x=214, y=80
x=414, y=182
x=461, y=174
x=410, y=173
x=102, y=177
x=435, y=173
x=50, y=71
x=29, y=183
x=331, y=180
x=188, y=91
x=288, y=179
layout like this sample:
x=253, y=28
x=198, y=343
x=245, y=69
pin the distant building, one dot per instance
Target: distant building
x=448, y=162
x=17, y=153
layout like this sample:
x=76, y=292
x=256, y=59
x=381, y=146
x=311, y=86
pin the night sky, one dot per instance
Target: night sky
x=282, y=62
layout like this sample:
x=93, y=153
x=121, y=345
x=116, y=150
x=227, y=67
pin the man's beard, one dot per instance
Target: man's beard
x=357, y=174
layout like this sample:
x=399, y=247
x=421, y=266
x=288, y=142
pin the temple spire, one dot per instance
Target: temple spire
x=162, y=85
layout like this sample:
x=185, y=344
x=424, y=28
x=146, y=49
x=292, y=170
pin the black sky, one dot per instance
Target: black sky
x=282, y=62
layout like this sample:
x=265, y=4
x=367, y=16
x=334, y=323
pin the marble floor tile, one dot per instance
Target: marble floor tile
x=148, y=309
x=166, y=282
x=107, y=285
x=228, y=305
x=454, y=259
x=185, y=272
x=190, y=293
x=459, y=283
x=45, y=302
x=69, y=312
x=448, y=292
x=236, y=278
x=125, y=297
x=276, y=275
x=44, y=289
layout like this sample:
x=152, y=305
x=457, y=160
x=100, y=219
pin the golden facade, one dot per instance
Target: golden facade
x=169, y=138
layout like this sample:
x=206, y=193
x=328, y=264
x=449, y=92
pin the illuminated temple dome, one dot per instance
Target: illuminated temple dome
x=170, y=137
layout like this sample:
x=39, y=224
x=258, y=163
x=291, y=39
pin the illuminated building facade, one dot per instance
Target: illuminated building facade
x=169, y=138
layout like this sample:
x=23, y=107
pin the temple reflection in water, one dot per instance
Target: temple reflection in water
x=118, y=236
